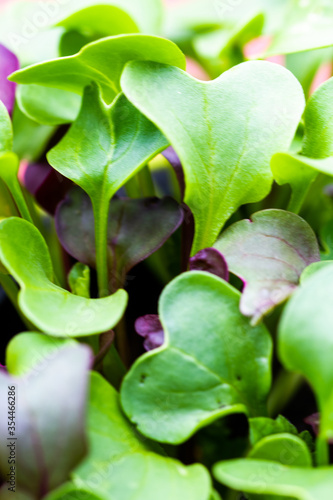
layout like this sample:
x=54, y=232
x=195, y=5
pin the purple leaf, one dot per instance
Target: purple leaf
x=8, y=64
x=172, y=157
x=151, y=329
x=137, y=228
x=269, y=254
x=50, y=420
x=211, y=261
x=45, y=184
x=3, y=369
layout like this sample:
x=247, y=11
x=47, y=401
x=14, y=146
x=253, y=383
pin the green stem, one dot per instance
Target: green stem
x=113, y=368
x=146, y=182
x=297, y=199
x=12, y=290
x=101, y=213
x=133, y=188
x=20, y=201
x=286, y=386
x=322, y=452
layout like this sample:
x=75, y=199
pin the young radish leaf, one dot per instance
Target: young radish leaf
x=269, y=253
x=305, y=340
x=118, y=451
x=300, y=170
x=283, y=448
x=222, y=131
x=103, y=149
x=48, y=405
x=8, y=64
x=101, y=61
x=204, y=370
x=134, y=230
x=49, y=307
x=270, y=478
x=97, y=21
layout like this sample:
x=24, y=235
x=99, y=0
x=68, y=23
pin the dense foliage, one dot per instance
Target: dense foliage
x=144, y=209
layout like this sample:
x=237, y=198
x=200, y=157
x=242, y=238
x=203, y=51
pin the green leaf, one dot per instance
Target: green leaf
x=6, y=131
x=69, y=491
x=101, y=61
x=264, y=477
x=97, y=21
x=318, y=117
x=29, y=350
x=79, y=280
x=62, y=106
x=307, y=26
x=224, y=122
x=300, y=170
x=283, y=448
x=305, y=340
x=49, y=416
x=213, y=363
x=52, y=309
x=269, y=253
x=261, y=427
x=118, y=452
x=103, y=149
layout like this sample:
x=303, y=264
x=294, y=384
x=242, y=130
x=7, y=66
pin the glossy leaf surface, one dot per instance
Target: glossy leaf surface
x=204, y=370
x=224, y=122
x=118, y=451
x=269, y=253
x=305, y=340
x=264, y=477
x=49, y=307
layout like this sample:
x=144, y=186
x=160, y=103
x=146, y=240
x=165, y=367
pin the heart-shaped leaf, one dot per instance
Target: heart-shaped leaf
x=101, y=61
x=203, y=371
x=300, y=170
x=97, y=21
x=134, y=230
x=103, y=149
x=283, y=448
x=270, y=478
x=305, y=340
x=8, y=64
x=117, y=452
x=224, y=122
x=50, y=413
x=269, y=253
x=49, y=307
